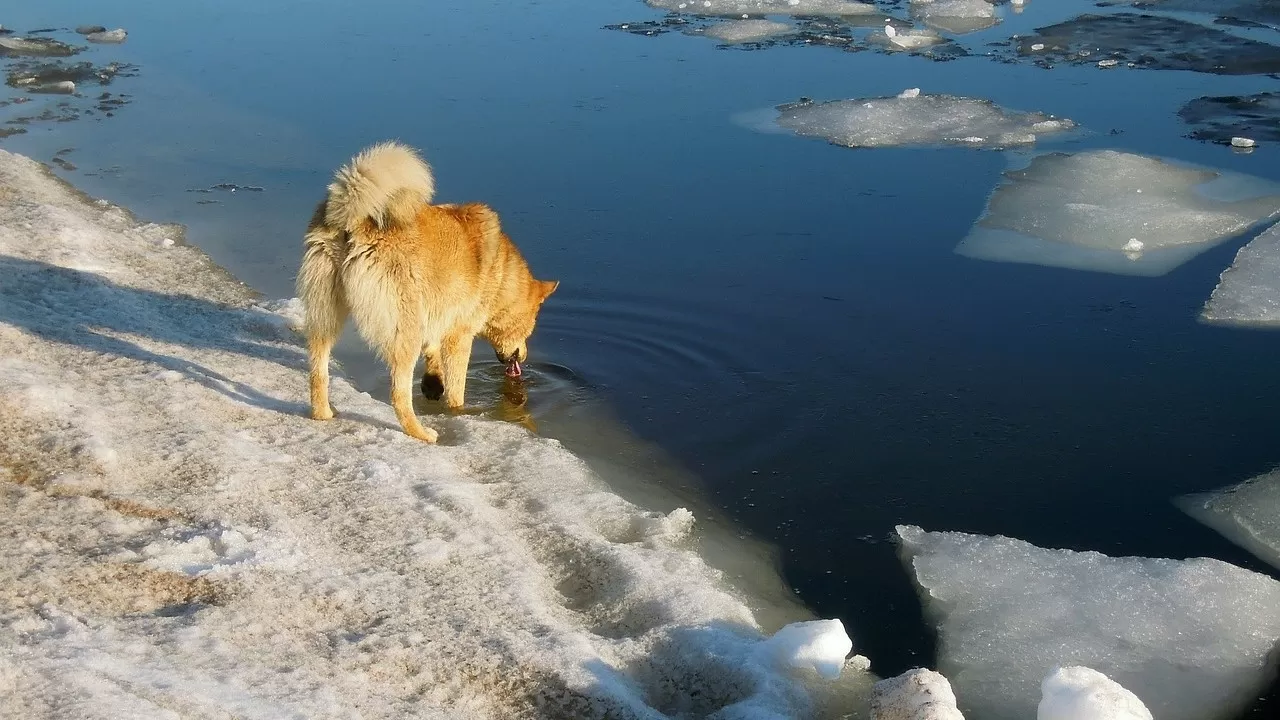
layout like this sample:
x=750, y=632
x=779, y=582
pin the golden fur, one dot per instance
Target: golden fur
x=415, y=278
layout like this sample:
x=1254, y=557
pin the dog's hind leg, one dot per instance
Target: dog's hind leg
x=402, y=359
x=325, y=306
x=432, y=374
x=456, y=355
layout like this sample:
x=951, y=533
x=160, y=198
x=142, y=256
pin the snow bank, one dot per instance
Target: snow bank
x=765, y=7
x=914, y=119
x=1248, y=293
x=747, y=31
x=179, y=538
x=1247, y=514
x=1115, y=212
x=917, y=694
x=1191, y=638
x=1081, y=693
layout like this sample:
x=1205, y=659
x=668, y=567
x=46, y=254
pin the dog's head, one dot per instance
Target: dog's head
x=509, y=328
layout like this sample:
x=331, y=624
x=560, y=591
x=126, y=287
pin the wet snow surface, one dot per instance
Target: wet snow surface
x=179, y=537
x=1191, y=639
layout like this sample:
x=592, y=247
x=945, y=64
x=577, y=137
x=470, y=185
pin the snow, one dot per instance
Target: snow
x=1247, y=514
x=917, y=694
x=820, y=645
x=915, y=119
x=1089, y=211
x=1191, y=638
x=181, y=540
x=765, y=7
x=746, y=31
x=1081, y=693
x=1248, y=292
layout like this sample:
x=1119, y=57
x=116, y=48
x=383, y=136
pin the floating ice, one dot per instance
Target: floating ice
x=1115, y=212
x=765, y=7
x=1248, y=292
x=35, y=47
x=180, y=539
x=90, y=29
x=912, y=38
x=1224, y=118
x=917, y=694
x=748, y=31
x=1081, y=693
x=920, y=120
x=108, y=37
x=820, y=645
x=1266, y=12
x=1247, y=514
x=1192, y=638
x=62, y=87
x=956, y=16
x=1149, y=41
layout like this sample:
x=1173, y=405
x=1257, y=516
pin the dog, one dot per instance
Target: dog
x=414, y=277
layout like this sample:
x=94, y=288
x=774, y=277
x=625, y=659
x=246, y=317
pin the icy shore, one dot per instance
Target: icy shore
x=180, y=540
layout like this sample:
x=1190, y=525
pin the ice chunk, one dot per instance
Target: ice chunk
x=1248, y=292
x=1193, y=638
x=920, y=120
x=819, y=645
x=1222, y=119
x=912, y=38
x=956, y=16
x=1149, y=41
x=747, y=31
x=35, y=47
x=765, y=7
x=1081, y=693
x=917, y=694
x=108, y=37
x=1090, y=211
x=1247, y=514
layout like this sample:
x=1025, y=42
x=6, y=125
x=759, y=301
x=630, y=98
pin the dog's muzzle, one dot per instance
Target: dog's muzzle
x=513, y=364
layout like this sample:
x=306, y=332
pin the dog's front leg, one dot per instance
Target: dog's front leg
x=455, y=354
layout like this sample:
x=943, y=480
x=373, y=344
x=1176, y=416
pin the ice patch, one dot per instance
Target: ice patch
x=917, y=694
x=1248, y=292
x=747, y=31
x=1115, y=212
x=1081, y=693
x=956, y=16
x=914, y=119
x=1247, y=514
x=765, y=7
x=1193, y=638
x=284, y=313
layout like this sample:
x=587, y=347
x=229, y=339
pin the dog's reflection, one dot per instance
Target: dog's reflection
x=512, y=405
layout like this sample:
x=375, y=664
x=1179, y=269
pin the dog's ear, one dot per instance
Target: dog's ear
x=546, y=287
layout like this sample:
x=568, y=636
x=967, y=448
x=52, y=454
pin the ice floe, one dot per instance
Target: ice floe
x=179, y=538
x=35, y=47
x=1193, y=639
x=748, y=31
x=1081, y=693
x=956, y=16
x=1148, y=41
x=1222, y=119
x=1115, y=212
x=765, y=7
x=1247, y=514
x=1248, y=292
x=915, y=119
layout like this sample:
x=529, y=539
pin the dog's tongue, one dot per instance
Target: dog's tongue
x=513, y=368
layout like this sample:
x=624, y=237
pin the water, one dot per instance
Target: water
x=770, y=328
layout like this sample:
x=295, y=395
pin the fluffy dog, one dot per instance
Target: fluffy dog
x=415, y=278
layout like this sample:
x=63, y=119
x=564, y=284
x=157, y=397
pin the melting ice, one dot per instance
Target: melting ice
x=1115, y=212
x=747, y=31
x=765, y=7
x=1192, y=639
x=1247, y=514
x=914, y=119
x=1248, y=292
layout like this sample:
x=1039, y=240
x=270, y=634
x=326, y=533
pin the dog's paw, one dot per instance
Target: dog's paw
x=432, y=386
x=322, y=414
x=428, y=435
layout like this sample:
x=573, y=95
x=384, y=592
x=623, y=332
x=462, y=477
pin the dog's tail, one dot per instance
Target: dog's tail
x=386, y=183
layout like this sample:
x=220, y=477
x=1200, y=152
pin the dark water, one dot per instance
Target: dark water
x=784, y=319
